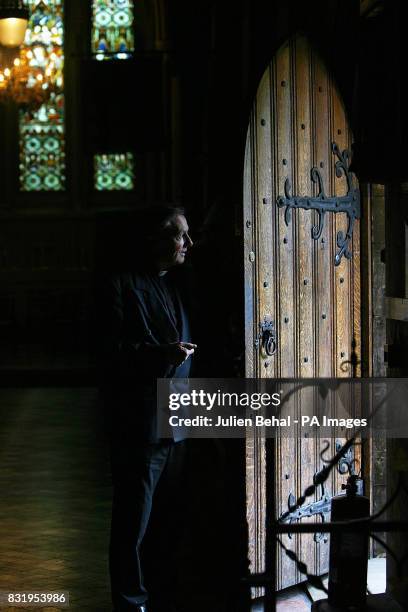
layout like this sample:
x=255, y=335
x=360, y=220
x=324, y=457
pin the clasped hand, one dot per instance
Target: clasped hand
x=178, y=352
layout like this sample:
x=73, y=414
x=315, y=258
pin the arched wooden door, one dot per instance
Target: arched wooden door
x=303, y=281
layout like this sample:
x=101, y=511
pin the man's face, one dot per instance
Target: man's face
x=175, y=245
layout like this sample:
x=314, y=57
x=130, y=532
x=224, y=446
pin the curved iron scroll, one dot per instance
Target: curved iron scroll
x=349, y=204
x=347, y=464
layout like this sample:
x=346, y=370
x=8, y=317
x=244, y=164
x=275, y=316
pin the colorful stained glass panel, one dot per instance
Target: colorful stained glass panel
x=42, y=138
x=114, y=172
x=42, y=147
x=112, y=29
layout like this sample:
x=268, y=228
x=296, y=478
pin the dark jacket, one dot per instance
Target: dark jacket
x=134, y=324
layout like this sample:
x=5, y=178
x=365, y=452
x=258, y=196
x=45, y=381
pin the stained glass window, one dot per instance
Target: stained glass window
x=114, y=172
x=112, y=29
x=113, y=38
x=42, y=138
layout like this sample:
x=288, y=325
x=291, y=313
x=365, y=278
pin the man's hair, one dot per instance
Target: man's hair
x=127, y=237
x=157, y=219
x=156, y=225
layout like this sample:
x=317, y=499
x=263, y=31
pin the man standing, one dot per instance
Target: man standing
x=144, y=335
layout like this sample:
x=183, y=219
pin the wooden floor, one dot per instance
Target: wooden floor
x=55, y=496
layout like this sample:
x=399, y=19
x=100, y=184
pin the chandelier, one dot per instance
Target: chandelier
x=29, y=71
x=30, y=78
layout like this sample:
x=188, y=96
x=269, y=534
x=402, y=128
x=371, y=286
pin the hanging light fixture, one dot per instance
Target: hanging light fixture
x=13, y=23
x=27, y=84
x=28, y=74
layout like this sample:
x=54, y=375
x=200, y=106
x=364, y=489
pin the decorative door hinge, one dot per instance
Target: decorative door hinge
x=321, y=507
x=349, y=204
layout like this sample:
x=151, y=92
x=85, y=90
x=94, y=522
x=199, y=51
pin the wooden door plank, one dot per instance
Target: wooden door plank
x=255, y=443
x=249, y=240
x=265, y=217
x=286, y=295
x=302, y=218
x=255, y=461
x=343, y=279
x=305, y=250
x=342, y=271
x=324, y=262
x=285, y=169
x=264, y=305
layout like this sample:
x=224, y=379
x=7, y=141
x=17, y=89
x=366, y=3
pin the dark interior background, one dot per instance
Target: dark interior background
x=182, y=105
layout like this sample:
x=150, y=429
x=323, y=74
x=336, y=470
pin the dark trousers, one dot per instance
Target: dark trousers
x=136, y=472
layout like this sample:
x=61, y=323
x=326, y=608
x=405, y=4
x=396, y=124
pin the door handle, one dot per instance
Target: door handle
x=268, y=337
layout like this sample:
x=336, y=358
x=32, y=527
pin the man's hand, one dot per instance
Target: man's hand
x=177, y=352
